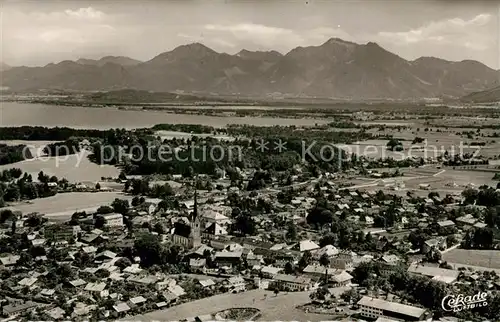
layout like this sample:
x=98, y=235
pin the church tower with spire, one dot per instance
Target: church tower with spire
x=195, y=222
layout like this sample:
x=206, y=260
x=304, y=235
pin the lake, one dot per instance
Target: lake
x=18, y=114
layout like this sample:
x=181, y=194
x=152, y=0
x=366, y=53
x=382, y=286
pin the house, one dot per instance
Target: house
x=328, y=250
x=438, y=243
x=480, y=225
x=137, y=300
x=60, y=232
x=206, y=283
x=121, y=307
x=315, y=271
x=77, y=283
x=56, y=314
x=160, y=286
x=466, y=221
x=445, y=224
x=343, y=260
x=307, y=245
x=188, y=235
x=214, y=230
x=9, y=260
x=254, y=259
x=97, y=288
x=112, y=220
x=388, y=263
x=284, y=257
x=16, y=308
x=214, y=217
x=28, y=281
x=235, y=284
x=177, y=290
x=373, y=308
x=438, y=274
x=106, y=255
x=292, y=283
x=229, y=259
x=270, y=271
x=341, y=279
x=197, y=263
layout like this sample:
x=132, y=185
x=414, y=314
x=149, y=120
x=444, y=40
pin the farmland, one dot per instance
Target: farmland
x=474, y=257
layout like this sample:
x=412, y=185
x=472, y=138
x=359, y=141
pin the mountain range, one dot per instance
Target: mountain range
x=334, y=69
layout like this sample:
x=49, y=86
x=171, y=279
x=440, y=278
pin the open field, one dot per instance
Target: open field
x=63, y=205
x=273, y=308
x=75, y=168
x=474, y=257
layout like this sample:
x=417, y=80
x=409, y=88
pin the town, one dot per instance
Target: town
x=371, y=239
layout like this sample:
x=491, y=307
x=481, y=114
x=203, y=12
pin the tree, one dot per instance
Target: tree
x=451, y=240
x=149, y=248
x=6, y=214
x=135, y=201
x=12, y=193
x=324, y=260
x=351, y=296
x=123, y=262
x=159, y=228
x=34, y=220
x=433, y=194
x=98, y=186
x=291, y=233
x=102, y=210
x=120, y=206
x=394, y=145
x=328, y=239
x=122, y=176
x=245, y=225
x=305, y=260
x=42, y=177
x=289, y=268
x=99, y=222
x=417, y=140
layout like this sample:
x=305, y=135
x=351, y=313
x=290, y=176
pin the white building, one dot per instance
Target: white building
x=112, y=220
x=373, y=308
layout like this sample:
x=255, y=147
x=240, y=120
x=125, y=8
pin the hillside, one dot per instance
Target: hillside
x=4, y=66
x=487, y=96
x=334, y=69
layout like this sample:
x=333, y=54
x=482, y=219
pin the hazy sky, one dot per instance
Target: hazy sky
x=39, y=32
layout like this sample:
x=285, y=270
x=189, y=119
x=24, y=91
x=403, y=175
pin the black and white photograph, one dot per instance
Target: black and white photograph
x=250, y=160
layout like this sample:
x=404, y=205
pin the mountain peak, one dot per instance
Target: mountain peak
x=195, y=47
x=337, y=41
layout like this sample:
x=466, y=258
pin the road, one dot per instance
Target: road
x=273, y=308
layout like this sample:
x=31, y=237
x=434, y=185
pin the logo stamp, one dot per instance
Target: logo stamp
x=457, y=303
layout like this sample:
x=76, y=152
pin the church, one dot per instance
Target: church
x=189, y=235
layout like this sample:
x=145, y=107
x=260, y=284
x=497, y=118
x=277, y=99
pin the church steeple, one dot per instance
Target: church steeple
x=194, y=216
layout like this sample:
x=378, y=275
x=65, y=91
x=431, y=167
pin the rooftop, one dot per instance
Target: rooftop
x=394, y=307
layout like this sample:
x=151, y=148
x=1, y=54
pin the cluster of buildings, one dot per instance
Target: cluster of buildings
x=103, y=282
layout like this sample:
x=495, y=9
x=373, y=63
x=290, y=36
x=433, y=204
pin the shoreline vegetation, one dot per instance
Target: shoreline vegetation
x=232, y=106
